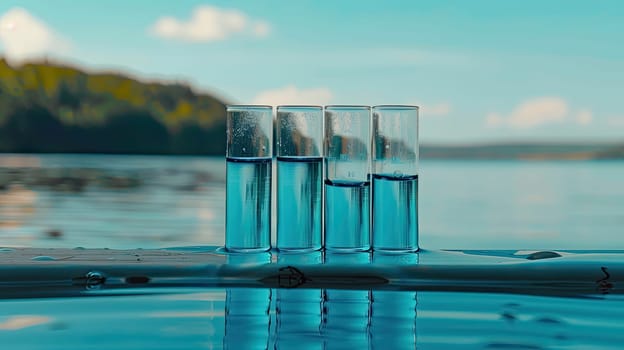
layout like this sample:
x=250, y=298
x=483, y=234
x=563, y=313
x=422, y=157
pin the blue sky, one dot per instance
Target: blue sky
x=482, y=71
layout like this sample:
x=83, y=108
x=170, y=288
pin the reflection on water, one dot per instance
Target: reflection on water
x=346, y=313
x=247, y=319
x=194, y=320
x=298, y=312
x=22, y=321
x=17, y=204
x=151, y=201
x=110, y=201
x=426, y=311
x=320, y=319
x=384, y=319
x=394, y=313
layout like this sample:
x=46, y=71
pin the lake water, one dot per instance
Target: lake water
x=495, y=295
x=98, y=201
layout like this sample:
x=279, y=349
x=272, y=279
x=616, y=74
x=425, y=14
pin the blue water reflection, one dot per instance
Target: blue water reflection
x=303, y=318
x=346, y=313
x=393, y=313
x=298, y=312
x=247, y=310
x=403, y=313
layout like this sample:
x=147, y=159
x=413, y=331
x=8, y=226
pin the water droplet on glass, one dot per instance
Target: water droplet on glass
x=387, y=146
x=244, y=149
x=43, y=258
x=5, y=250
x=397, y=173
x=94, y=280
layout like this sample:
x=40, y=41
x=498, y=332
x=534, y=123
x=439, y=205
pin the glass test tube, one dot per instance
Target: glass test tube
x=347, y=168
x=248, y=184
x=299, y=177
x=395, y=178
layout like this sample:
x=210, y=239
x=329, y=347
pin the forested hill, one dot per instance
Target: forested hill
x=55, y=108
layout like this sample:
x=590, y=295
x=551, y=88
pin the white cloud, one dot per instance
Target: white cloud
x=291, y=95
x=439, y=109
x=493, y=120
x=532, y=113
x=261, y=29
x=584, y=117
x=208, y=23
x=24, y=36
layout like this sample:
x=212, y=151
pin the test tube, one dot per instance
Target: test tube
x=347, y=168
x=248, y=179
x=395, y=178
x=299, y=177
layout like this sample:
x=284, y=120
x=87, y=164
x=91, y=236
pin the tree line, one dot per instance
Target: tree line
x=47, y=107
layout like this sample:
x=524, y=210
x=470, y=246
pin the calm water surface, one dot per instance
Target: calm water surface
x=198, y=320
x=153, y=202
x=142, y=201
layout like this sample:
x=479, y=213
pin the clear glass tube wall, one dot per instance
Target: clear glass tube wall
x=248, y=183
x=299, y=133
x=395, y=178
x=347, y=169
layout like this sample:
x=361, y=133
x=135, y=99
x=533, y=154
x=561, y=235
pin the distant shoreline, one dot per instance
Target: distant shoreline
x=526, y=151
x=499, y=151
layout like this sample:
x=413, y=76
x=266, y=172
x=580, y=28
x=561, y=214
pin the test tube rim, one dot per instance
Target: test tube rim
x=348, y=107
x=248, y=107
x=299, y=106
x=397, y=107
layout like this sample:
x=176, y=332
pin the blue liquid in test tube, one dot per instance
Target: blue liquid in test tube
x=299, y=177
x=248, y=184
x=395, y=178
x=347, y=182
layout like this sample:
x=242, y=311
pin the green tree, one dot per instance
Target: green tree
x=32, y=128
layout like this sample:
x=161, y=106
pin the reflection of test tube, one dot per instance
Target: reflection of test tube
x=395, y=178
x=347, y=167
x=248, y=184
x=298, y=310
x=299, y=180
x=346, y=313
x=247, y=318
x=393, y=313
